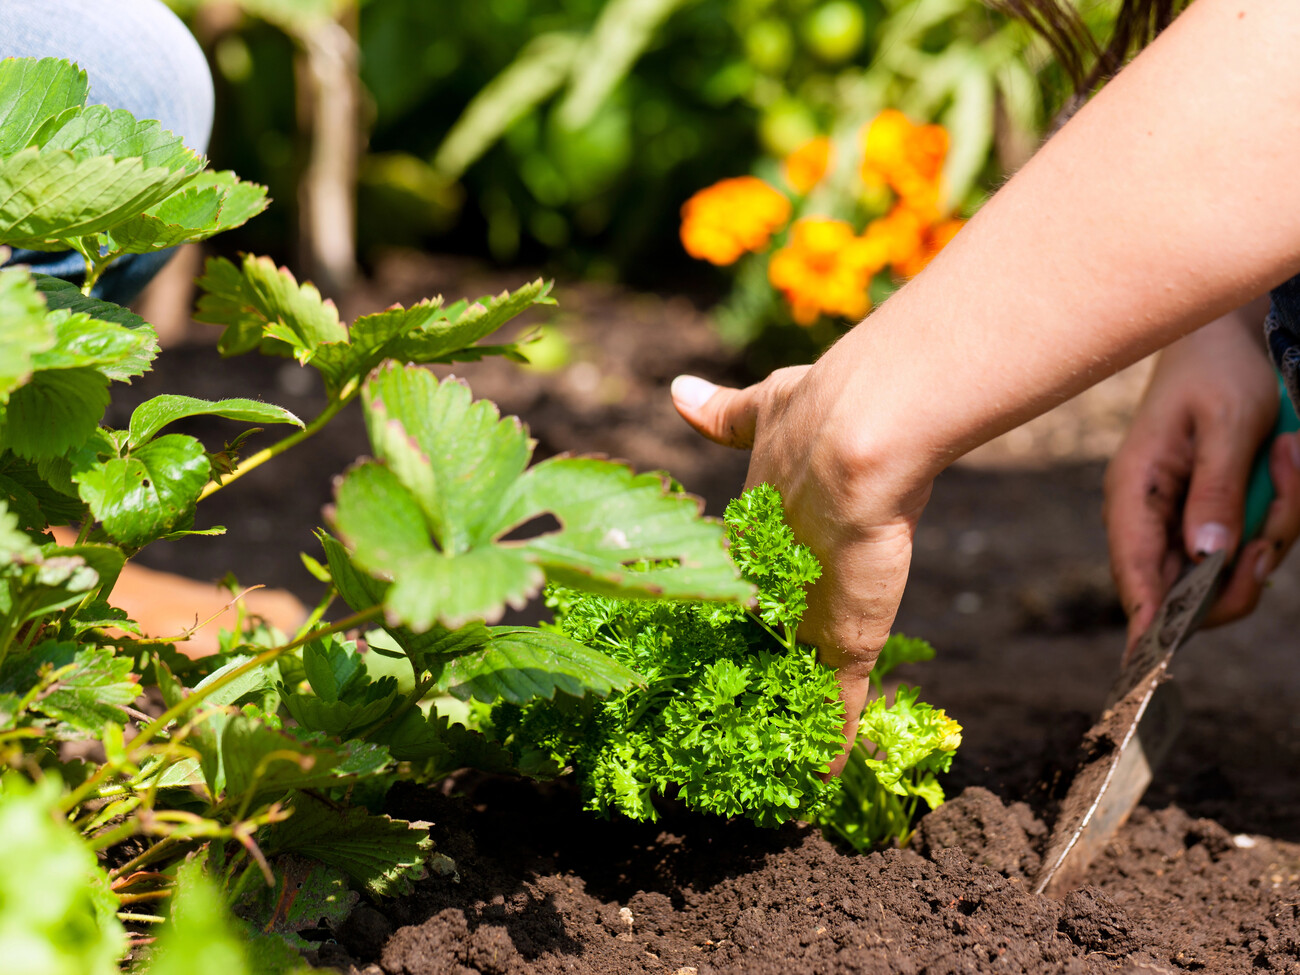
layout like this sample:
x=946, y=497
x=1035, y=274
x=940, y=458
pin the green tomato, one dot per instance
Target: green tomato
x=786, y=126
x=769, y=46
x=834, y=32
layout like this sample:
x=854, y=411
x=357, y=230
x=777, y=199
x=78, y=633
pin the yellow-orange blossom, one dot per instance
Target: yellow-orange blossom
x=723, y=221
x=825, y=269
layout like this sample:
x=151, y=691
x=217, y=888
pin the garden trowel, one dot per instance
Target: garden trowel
x=1143, y=712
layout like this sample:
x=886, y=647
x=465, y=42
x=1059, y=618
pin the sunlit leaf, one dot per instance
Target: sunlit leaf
x=150, y=491
x=154, y=414
x=383, y=855
x=520, y=663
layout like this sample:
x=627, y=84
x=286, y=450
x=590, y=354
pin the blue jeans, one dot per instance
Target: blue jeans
x=137, y=55
x=1283, y=330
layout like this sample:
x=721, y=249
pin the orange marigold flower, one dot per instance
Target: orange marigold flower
x=908, y=158
x=936, y=238
x=825, y=269
x=723, y=221
x=805, y=167
x=899, y=236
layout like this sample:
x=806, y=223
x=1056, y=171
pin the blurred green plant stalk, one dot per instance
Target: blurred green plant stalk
x=572, y=130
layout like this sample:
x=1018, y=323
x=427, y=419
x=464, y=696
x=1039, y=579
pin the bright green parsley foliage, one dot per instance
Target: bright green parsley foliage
x=733, y=716
x=895, y=763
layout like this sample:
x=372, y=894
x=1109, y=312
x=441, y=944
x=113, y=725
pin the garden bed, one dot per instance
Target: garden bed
x=1009, y=583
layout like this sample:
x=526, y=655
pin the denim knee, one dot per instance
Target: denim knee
x=137, y=55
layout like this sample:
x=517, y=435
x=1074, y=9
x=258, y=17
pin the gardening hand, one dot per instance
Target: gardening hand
x=859, y=529
x=1178, y=483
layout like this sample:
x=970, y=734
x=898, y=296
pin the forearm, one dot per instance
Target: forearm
x=1144, y=218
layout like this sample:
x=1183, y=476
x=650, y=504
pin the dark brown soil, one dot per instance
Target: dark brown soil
x=1009, y=582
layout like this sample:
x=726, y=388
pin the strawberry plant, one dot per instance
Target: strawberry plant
x=231, y=802
x=732, y=715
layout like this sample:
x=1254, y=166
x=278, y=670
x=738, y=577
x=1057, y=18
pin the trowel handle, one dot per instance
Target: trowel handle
x=1259, y=490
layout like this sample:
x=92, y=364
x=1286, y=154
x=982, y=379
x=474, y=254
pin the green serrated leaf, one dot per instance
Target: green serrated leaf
x=259, y=300
x=98, y=130
x=92, y=694
x=458, y=457
x=149, y=492
x=27, y=329
x=48, y=197
x=32, y=92
x=307, y=893
x=520, y=663
x=32, y=496
x=383, y=855
x=380, y=515
x=61, y=294
x=611, y=519
x=110, y=349
x=453, y=336
x=452, y=483
x=54, y=412
x=455, y=589
x=358, y=590
x=210, y=204
x=257, y=760
x=154, y=414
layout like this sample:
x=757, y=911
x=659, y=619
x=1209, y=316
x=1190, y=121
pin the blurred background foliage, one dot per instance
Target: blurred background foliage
x=569, y=132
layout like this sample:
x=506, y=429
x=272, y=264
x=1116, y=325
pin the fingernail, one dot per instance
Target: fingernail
x=1264, y=565
x=1211, y=537
x=692, y=391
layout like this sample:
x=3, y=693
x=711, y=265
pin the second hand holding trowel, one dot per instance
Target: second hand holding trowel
x=1143, y=712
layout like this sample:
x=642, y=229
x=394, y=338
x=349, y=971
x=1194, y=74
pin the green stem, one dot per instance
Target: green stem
x=106, y=839
x=262, y=456
x=265, y=657
x=87, y=527
x=152, y=853
x=775, y=636
x=319, y=612
x=159, y=724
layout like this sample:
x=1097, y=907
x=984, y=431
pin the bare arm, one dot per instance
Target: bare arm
x=1169, y=200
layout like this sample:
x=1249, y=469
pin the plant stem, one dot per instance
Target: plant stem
x=262, y=456
x=263, y=658
x=151, y=853
x=319, y=611
x=159, y=724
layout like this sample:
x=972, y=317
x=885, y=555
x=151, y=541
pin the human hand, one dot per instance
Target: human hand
x=855, y=514
x=1178, y=483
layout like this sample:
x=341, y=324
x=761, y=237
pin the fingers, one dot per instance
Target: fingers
x=851, y=610
x=1142, y=503
x=725, y=416
x=1258, y=558
x=1216, y=495
x=853, y=692
x=731, y=416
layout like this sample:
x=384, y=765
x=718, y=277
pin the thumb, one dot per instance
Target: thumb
x=725, y=416
x=1216, y=494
